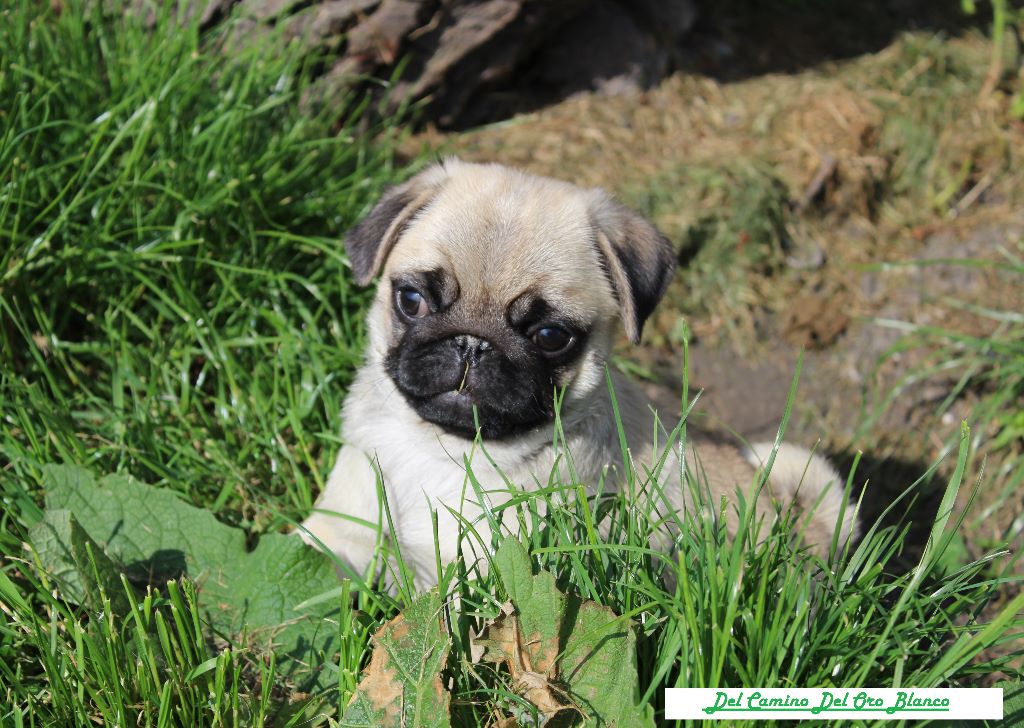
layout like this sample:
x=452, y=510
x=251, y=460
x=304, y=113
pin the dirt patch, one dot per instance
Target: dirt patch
x=814, y=321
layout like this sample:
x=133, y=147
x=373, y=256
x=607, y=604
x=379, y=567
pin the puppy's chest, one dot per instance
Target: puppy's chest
x=421, y=464
x=419, y=471
x=420, y=467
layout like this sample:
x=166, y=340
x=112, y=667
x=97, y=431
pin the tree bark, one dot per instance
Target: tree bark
x=472, y=61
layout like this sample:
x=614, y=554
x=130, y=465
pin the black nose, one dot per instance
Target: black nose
x=471, y=348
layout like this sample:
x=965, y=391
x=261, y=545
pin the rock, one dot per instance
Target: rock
x=476, y=48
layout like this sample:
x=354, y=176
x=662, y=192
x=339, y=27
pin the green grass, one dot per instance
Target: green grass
x=172, y=276
x=984, y=366
x=751, y=610
x=175, y=304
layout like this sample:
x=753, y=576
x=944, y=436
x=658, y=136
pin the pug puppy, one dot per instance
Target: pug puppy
x=500, y=291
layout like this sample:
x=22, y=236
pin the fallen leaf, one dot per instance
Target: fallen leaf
x=538, y=602
x=503, y=641
x=402, y=684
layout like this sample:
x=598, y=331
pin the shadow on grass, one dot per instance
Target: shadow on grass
x=882, y=481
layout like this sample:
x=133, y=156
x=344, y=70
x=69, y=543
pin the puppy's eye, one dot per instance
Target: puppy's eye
x=411, y=303
x=552, y=339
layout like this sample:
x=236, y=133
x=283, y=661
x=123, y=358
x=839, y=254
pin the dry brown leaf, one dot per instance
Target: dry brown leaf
x=502, y=640
x=380, y=683
x=401, y=687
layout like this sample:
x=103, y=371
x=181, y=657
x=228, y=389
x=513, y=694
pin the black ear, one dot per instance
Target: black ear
x=640, y=260
x=371, y=240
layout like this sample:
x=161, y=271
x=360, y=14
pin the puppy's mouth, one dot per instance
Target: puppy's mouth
x=464, y=412
x=491, y=395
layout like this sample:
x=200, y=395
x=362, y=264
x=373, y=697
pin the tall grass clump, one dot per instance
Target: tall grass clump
x=982, y=366
x=174, y=304
x=175, y=301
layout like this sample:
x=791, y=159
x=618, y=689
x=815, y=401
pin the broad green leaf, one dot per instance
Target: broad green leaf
x=599, y=666
x=78, y=564
x=154, y=536
x=563, y=654
x=402, y=684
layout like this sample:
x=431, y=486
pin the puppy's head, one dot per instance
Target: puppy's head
x=498, y=288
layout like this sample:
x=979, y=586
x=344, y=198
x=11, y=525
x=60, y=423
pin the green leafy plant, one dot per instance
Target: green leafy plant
x=562, y=654
x=153, y=536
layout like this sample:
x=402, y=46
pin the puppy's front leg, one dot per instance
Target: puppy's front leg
x=347, y=516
